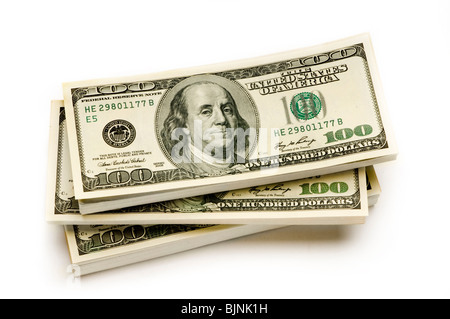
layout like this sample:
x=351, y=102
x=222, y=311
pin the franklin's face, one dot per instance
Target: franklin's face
x=210, y=113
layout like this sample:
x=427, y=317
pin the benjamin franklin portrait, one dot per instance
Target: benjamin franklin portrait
x=210, y=126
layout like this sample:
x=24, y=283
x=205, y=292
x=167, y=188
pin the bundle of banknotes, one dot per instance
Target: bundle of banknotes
x=149, y=165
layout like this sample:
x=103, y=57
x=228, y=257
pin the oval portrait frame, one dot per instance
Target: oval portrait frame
x=244, y=103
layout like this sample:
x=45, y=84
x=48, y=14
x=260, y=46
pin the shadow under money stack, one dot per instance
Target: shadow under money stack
x=252, y=145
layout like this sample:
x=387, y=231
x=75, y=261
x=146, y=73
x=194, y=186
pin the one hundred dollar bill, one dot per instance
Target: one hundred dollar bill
x=233, y=125
x=373, y=186
x=95, y=248
x=338, y=198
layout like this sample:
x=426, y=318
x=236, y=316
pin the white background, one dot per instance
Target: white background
x=401, y=252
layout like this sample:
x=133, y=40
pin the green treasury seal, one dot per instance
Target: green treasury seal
x=306, y=105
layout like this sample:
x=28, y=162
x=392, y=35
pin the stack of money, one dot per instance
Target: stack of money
x=180, y=159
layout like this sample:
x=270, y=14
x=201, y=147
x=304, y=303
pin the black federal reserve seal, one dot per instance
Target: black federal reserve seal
x=119, y=133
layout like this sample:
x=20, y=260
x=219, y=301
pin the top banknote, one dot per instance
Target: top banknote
x=231, y=125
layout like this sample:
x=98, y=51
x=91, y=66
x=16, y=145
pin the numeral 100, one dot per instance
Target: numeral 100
x=321, y=188
x=116, y=236
x=120, y=177
x=346, y=133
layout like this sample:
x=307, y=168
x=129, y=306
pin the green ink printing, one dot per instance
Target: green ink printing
x=306, y=105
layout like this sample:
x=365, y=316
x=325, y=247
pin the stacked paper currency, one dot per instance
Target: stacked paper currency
x=190, y=157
